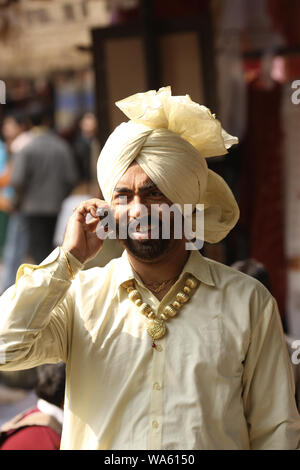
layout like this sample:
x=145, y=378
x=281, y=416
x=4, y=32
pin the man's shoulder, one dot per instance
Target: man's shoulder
x=242, y=299
x=100, y=274
x=228, y=278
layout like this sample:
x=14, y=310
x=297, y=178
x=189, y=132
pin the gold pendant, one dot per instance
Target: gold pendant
x=156, y=329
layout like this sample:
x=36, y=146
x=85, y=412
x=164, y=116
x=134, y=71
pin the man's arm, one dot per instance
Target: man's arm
x=268, y=383
x=36, y=313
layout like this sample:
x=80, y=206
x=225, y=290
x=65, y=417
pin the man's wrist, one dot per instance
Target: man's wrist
x=76, y=254
x=72, y=263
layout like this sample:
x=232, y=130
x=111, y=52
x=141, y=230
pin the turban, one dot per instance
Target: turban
x=170, y=137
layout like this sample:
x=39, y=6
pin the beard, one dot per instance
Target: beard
x=149, y=248
x=146, y=249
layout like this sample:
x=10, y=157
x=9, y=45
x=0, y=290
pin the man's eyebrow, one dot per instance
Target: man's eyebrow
x=122, y=189
x=145, y=187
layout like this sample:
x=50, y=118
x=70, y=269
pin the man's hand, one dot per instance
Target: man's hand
x=81, y=239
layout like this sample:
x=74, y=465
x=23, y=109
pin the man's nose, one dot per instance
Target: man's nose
x=136, y=208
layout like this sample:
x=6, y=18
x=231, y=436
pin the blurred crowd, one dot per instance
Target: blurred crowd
x=42, y=178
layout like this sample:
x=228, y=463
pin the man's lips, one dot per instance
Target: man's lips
x=139, y=229
x=142, y=233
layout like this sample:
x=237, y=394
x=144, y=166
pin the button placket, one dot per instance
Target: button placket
x=156, y=386
x=156, y=404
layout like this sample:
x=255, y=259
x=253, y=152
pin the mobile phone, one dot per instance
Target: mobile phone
x=102, y=212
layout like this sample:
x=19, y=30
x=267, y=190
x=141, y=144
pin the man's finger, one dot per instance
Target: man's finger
x=91, y=225
x=90, y=207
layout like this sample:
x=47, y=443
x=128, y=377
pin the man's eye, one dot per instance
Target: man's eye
x=120, y=199
x=155, y=193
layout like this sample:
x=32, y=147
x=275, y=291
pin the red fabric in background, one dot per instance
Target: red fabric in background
x=262, y=186
x=32, y=438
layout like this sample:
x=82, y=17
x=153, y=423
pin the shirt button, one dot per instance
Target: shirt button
x=155, y=424
x=156, y=386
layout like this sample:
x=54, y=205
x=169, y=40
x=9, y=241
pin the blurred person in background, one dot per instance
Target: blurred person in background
x=254, y=269
x=86, y=151
x=4, y=168
x=16, y=392
x=16, y=130
x=39, y=428
x=3, y=199
x=44, y=174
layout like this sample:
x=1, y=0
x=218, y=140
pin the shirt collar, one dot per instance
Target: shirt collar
x=124, y=270
x=197, y=265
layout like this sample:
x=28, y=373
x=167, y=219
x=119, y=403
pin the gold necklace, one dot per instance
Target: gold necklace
x=157, y=325
x=157, y=287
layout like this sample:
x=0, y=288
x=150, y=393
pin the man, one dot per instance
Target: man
x=44, y=174
x=165, y=349
x=40, y=427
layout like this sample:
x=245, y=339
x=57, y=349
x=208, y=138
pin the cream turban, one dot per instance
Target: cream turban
x=170, y=137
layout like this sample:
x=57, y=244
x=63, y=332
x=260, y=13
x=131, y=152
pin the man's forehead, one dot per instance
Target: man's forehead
x=134, y=176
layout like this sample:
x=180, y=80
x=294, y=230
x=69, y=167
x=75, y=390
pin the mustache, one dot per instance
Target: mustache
x=139, y=224
x=143, y=222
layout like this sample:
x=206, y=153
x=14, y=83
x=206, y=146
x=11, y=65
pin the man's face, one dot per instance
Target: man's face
x=88, y=125
x=133, y=197
x=11, y=129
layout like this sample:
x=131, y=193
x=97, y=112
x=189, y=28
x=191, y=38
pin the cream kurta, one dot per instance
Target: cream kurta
x=220, y=379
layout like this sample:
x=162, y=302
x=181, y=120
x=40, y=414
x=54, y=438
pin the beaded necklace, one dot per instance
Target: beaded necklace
x=157, y=325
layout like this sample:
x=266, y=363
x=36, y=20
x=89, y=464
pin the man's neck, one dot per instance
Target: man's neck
x=168, y=267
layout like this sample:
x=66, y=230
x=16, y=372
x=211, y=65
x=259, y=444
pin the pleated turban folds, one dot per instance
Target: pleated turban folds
x=170, y=137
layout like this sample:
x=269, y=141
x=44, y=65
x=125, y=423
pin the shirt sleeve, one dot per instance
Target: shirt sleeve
x=268, y=383
x=36, y=314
